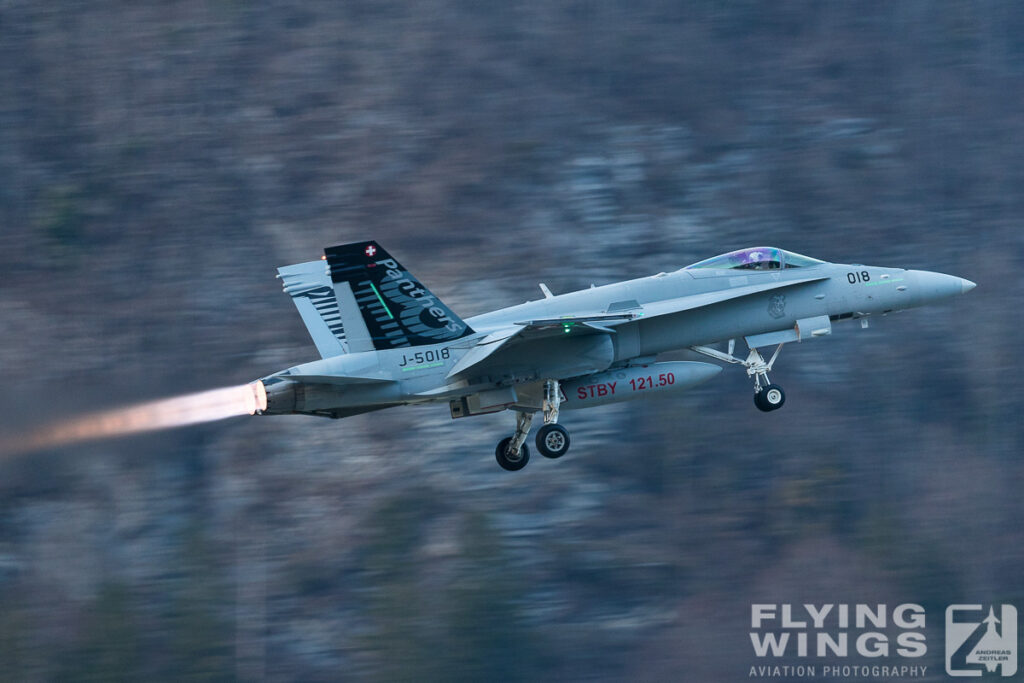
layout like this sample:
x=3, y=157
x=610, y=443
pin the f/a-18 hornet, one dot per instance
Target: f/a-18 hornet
x=386, y=341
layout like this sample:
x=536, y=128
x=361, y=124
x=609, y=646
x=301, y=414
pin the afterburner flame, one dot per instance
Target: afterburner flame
x=206, y=406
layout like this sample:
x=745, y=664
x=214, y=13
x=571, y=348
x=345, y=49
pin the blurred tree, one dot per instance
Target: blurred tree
x=15, y=639
x=927, y=575
x=403, y=639
x=468, y=629
x=194, y=642
x=487, y=638
x=112, y=647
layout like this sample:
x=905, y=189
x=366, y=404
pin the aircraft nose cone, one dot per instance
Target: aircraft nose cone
x=937, y=286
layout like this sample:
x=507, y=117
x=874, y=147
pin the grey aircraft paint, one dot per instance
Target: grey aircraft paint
x=386, y=340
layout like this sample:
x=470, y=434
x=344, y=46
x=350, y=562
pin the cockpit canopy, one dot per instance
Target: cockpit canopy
x=756, y=258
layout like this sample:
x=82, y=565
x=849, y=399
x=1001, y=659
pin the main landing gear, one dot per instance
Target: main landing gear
x=512, y=453
x=767, y=396
x=552, y=439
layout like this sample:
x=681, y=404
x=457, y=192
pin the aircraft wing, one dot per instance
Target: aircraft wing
x=542, y=328
x=484, y=349
x=490, y=347
x=565, y=324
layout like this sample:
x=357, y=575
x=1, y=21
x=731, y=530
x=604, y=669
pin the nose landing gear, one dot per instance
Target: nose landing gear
x=767, y=396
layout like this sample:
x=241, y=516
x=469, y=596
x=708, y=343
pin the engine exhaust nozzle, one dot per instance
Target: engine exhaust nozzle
x=279, y=398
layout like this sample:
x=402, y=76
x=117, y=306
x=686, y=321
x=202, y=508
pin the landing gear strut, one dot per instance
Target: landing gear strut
x=767, y=396
x=552, y=439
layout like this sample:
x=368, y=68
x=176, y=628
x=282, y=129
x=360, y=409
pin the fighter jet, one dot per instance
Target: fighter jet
x=385, y=340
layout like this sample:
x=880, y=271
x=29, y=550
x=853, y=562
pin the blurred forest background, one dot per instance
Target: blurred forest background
x=159, y=159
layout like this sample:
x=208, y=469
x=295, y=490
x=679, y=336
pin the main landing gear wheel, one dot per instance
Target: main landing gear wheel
x=511, y=462
x=552, y=441
x=769, y=398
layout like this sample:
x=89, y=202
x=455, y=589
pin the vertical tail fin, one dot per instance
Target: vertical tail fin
x=311, y=289
x=396, y=311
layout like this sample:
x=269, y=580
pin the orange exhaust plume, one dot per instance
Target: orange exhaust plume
x=206, y=406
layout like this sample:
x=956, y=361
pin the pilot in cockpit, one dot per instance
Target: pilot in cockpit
x=759, y=259
x=756, y=258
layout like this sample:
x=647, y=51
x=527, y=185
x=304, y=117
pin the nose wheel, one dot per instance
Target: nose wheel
x=767, y=396
x=770, y=397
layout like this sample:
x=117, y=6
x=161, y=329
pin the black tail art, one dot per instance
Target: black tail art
x=398, y=310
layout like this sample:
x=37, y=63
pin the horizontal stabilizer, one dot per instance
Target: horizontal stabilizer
x=337, y=380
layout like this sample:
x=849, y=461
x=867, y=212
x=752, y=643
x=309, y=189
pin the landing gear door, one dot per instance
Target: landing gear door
x=808, y=328
x=805, y=328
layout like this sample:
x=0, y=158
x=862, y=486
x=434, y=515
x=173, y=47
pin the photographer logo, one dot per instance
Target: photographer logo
x=981, y=642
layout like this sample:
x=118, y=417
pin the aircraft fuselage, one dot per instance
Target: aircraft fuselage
x=420, y=374
x=385, y=340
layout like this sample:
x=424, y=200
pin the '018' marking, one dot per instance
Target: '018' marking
x=862, y=276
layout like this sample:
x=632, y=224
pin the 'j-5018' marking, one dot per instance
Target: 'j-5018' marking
x=422, y=357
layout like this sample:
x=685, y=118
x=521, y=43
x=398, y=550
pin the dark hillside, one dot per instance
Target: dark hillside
x=158, y=160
